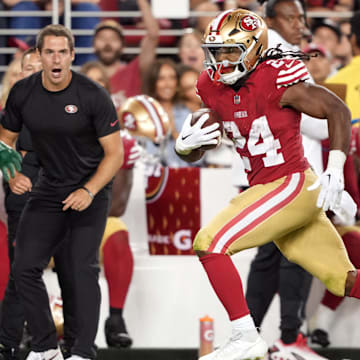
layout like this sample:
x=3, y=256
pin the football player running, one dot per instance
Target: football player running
x=270, y=272
x=260, y=97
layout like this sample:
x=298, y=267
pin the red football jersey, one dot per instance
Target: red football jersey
x=355, y=141
x=131, y=152
x=266, y=136
x=127, y=79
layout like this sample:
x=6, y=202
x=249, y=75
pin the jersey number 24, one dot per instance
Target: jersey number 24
x=261, y=142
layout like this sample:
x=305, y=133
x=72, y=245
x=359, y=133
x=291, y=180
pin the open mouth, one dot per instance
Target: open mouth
x=56, y=72
x=227, y=69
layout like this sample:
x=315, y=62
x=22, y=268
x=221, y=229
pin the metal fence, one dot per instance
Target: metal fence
x=69, y=14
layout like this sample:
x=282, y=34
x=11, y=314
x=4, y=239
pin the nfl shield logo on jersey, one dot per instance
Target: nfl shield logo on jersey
x=237, y=99
x=71, y=109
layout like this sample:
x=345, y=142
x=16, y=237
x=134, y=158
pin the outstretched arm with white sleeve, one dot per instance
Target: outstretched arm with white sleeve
x=318, y=102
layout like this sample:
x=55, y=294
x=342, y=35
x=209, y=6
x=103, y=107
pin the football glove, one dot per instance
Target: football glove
x=9, y=161
x=345, y=213
x=135, y=154
x=194, y=136
x=331, y=181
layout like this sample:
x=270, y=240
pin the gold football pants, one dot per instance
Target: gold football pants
x=285, y=212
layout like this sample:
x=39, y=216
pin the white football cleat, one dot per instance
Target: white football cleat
x=52, y=354
x=237, y=348
x=295, y=351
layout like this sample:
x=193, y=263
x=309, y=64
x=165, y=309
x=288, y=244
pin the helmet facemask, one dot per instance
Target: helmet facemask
x=217, y=70
x=238, y=31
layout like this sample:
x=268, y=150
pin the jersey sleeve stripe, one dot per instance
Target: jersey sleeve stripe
x=291, y=78
x=257, y=213
x=292, y=69
x=295, y=81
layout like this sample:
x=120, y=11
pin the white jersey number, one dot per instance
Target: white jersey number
x=261, y=141
x=275, y=63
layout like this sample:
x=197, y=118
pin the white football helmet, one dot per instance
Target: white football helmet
x=239, y=28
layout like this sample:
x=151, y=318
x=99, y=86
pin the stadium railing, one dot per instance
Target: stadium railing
x=69, y=14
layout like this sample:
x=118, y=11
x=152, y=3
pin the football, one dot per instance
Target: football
x=213, y=117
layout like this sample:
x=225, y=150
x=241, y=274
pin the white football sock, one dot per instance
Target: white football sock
x=245, y=325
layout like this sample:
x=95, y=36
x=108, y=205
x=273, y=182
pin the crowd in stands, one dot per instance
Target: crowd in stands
x=160, y=78
x=329, y=32
x=171, y=80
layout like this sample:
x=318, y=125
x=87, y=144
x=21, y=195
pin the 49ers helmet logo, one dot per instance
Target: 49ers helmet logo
x=249, y=23
x=71, y=109
x=129, y=121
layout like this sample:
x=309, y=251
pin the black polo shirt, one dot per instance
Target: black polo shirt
x=64, y=126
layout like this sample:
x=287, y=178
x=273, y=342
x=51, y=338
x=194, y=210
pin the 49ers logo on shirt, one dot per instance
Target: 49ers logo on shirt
x=71, y=109
x=249, y=23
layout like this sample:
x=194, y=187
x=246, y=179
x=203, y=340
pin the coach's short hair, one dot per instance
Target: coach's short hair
x=54, y=30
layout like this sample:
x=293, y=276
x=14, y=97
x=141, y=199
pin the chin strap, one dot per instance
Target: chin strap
x=216, y=78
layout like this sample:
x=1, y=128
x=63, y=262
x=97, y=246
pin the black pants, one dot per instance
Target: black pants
x=12, y=322
x=271, y=272
x=12, y=315
x=13, y=221
x=42, y=229
x=14, y=204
